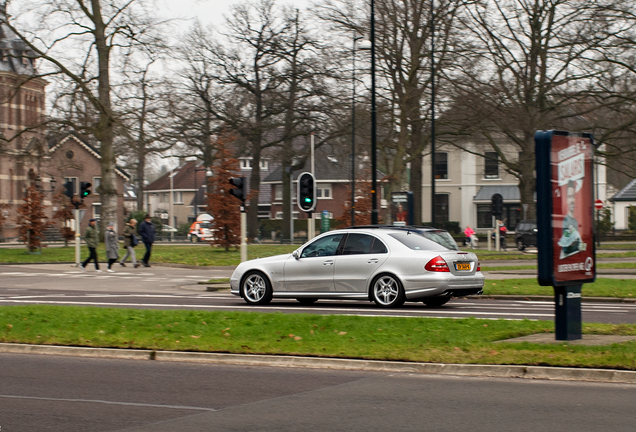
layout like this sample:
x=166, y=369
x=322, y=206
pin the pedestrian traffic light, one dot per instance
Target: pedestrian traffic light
x=69, y=190
x=239, y=187
x=496, y=205
x=306, y=192
x=85, y=189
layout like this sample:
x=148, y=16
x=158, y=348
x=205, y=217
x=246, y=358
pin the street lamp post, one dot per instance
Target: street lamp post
x=374, y=176
x=208, y=173
x=353, y=131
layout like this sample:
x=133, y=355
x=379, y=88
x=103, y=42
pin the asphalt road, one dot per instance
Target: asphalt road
x=161, y=287
x=51, y=393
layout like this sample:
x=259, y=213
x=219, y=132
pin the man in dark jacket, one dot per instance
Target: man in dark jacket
x=147, y=233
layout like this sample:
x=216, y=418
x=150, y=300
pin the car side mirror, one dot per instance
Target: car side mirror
x=296, y=254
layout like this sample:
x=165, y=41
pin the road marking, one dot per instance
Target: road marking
x=109, y=402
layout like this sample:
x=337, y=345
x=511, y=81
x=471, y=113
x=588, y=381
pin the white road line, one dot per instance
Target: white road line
x=109, y=402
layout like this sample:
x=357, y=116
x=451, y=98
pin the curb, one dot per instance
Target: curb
x=493, y=371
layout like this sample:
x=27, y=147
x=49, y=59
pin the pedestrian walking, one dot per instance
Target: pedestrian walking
x=147, y=233
x=471, y=238
x=112, y=246
x=130, y=241
x=91, y=237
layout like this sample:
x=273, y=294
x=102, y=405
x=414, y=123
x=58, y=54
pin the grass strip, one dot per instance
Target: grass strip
x=198, y=255
x=467, y=340
x=602, y=287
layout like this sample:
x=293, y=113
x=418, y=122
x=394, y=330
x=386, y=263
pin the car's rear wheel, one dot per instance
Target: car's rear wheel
x=520, y=245
x=387, y=291
x=306, y=301
x=256, y=289
x=436, y=301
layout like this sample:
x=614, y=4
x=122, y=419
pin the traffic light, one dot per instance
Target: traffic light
x=239, y=187
x=69, y=190
x=85, y=189
x=306, y=192
x=496, y=205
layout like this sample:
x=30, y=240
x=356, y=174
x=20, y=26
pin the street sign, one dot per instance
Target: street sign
x=598, y=204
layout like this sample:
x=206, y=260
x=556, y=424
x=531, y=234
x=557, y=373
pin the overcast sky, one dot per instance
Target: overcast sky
x=208, y=11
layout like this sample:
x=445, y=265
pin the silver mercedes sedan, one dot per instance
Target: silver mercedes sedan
x=385, y=264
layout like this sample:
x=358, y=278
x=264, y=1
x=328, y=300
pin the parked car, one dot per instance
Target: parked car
x=200, y=229
x=526, y=234
x=384, y=264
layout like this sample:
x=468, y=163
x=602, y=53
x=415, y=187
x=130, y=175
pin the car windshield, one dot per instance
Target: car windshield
x=205, y=225
x=426, y=240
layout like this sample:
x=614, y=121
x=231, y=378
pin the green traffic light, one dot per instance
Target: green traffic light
x=307, y=200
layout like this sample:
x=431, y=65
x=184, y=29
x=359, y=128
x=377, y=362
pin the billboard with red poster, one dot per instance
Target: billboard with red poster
x=565, y=208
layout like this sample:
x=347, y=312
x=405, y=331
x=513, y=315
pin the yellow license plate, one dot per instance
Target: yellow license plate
x=462, y=266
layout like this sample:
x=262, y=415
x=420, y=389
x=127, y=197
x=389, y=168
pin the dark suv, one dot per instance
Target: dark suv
x=526, y=234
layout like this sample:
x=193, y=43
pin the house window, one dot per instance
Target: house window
x=278, y=193
x=279, y=215
x=97, y=211
x=484, y=216
x=441, y=166
x=97, y=182
x=164, y=197
x=75, y=184
x=177, y=197
x=323, y=192
x=491, y=165
x=441, y=207
x=246, y=164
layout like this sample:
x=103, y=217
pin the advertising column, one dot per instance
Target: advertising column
x=565, y=220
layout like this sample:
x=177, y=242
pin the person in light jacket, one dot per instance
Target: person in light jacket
x=91, y=237
x=147, y=233
x=129, y=232
x=112, y=246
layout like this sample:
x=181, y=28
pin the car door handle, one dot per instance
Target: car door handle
x=372, y=261
x=327, y=263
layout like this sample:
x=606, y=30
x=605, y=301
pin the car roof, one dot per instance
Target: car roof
x=394, y=228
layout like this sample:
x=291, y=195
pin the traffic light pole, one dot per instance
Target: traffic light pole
x=76, y=212
x=243, y=234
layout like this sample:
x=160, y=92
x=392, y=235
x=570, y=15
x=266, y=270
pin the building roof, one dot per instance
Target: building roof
x=509, y=193
x=15, y=55
x=189, y=175
x=55, y=144
x=628, y=193
x=327, y=168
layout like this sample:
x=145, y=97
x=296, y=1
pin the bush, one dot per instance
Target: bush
x=605, y=224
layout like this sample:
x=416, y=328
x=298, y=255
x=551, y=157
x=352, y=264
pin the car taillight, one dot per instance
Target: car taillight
x=478, y=266
x=437, y=264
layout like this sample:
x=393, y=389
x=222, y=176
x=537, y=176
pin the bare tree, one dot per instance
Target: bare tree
x=79, y=42
x=528, y=70
x=235, y=82
x=403, y=44
x=144, y=102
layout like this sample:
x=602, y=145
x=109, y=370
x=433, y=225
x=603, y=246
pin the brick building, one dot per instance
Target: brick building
x=22, y=143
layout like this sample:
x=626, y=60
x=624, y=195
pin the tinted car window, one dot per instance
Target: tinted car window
x=362, y=244
x=442, y=238
x=325, y=246
x=416, y=241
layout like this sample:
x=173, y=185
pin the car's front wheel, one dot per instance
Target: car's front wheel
x=520, y=245
x=387, y=291
x=436, y=301
x=256, y=289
